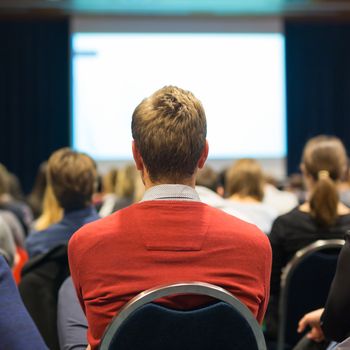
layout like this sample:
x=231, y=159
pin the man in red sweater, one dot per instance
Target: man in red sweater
x=169, y=236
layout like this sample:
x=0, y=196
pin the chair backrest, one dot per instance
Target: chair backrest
x=225, y=324
x=305, y=284
x=42, y=278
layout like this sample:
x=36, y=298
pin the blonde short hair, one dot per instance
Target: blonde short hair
x=169, y=129
x=246, y=179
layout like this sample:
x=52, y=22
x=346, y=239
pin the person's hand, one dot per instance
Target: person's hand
x=312, y=319
x=88, y=347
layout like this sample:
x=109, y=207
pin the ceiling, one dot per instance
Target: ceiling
x=179, y=7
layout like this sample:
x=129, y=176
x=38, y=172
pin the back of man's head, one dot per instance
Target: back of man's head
x=72, y=176
x=169, y=130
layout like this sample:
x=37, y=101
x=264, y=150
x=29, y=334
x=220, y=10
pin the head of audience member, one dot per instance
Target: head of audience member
x=109, y=181
x=72, y=176
x=125, y=185
x=15, y=188
x=169, y=131
x=208, y=178
x=324, y=162
x=245, y=181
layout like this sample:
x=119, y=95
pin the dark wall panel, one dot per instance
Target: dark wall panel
x=34, y=92
x=318, y=83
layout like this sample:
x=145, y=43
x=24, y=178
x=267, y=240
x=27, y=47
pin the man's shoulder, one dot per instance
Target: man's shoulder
x=103, y=226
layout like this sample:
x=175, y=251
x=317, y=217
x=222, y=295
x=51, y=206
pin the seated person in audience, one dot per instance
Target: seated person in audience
x=17, y=329
x=71, y=320
x=72, y=176
x=295, y=184
x=18, y=235
x=332, y=322
x=170, y=235
x=7, y=202
x=206, y=186
x=7, y=242
x=109, y=197
x=126, y=186
x=245, y=188
x=322, y=216
x=282, y=201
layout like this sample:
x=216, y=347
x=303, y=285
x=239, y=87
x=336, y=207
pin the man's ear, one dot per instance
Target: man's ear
x=204, y=155
x=137, y=157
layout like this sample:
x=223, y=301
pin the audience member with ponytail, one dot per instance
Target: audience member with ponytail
x=322, y=216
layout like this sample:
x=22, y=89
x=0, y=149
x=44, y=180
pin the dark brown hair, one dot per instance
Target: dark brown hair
x=324, y=159
x=72, y=176
x=246, y=179
x=169, y=129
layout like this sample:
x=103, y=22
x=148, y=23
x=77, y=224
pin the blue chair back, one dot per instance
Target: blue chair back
x=305, y=285
x=224, y=324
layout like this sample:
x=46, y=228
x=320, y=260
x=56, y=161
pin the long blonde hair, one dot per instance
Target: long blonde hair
x=51, y=213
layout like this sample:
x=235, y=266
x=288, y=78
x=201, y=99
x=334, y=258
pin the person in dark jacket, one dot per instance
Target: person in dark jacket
x=17, y=329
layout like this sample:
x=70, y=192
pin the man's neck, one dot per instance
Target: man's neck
x=191, y=182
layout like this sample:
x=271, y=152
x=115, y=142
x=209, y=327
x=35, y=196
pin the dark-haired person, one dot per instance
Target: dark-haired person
x=170, y=235
x=72, y=176
x=322, y=216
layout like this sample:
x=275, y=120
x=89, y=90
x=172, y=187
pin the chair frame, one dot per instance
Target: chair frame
x=198, y=288
x=286, y=276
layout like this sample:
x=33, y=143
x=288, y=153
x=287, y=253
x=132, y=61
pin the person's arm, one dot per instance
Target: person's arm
x=336, y=320
x=312, y=320
x=17, y=329
x=71, y=321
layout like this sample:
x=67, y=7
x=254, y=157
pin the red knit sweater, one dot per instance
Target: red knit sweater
x=158, y=242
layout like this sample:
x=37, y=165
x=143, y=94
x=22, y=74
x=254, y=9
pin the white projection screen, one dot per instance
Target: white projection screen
x=236, y=68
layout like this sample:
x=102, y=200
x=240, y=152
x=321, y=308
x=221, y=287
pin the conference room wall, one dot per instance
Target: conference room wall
x=318, y=83
x=35, y=88
x=34, y=92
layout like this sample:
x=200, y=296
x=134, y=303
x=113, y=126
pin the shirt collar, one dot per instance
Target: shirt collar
x=88, y=211
x=171, y=192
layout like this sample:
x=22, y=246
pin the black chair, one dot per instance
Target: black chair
x=305, y=284
x=143, y=325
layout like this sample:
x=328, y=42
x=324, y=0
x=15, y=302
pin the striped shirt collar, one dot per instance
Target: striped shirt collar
x=171, y=192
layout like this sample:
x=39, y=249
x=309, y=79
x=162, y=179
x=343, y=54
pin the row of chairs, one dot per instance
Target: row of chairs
x=226, y=324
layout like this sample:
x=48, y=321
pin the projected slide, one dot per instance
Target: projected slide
x=238, y=77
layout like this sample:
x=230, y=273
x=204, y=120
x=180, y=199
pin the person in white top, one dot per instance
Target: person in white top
x=245, y=188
